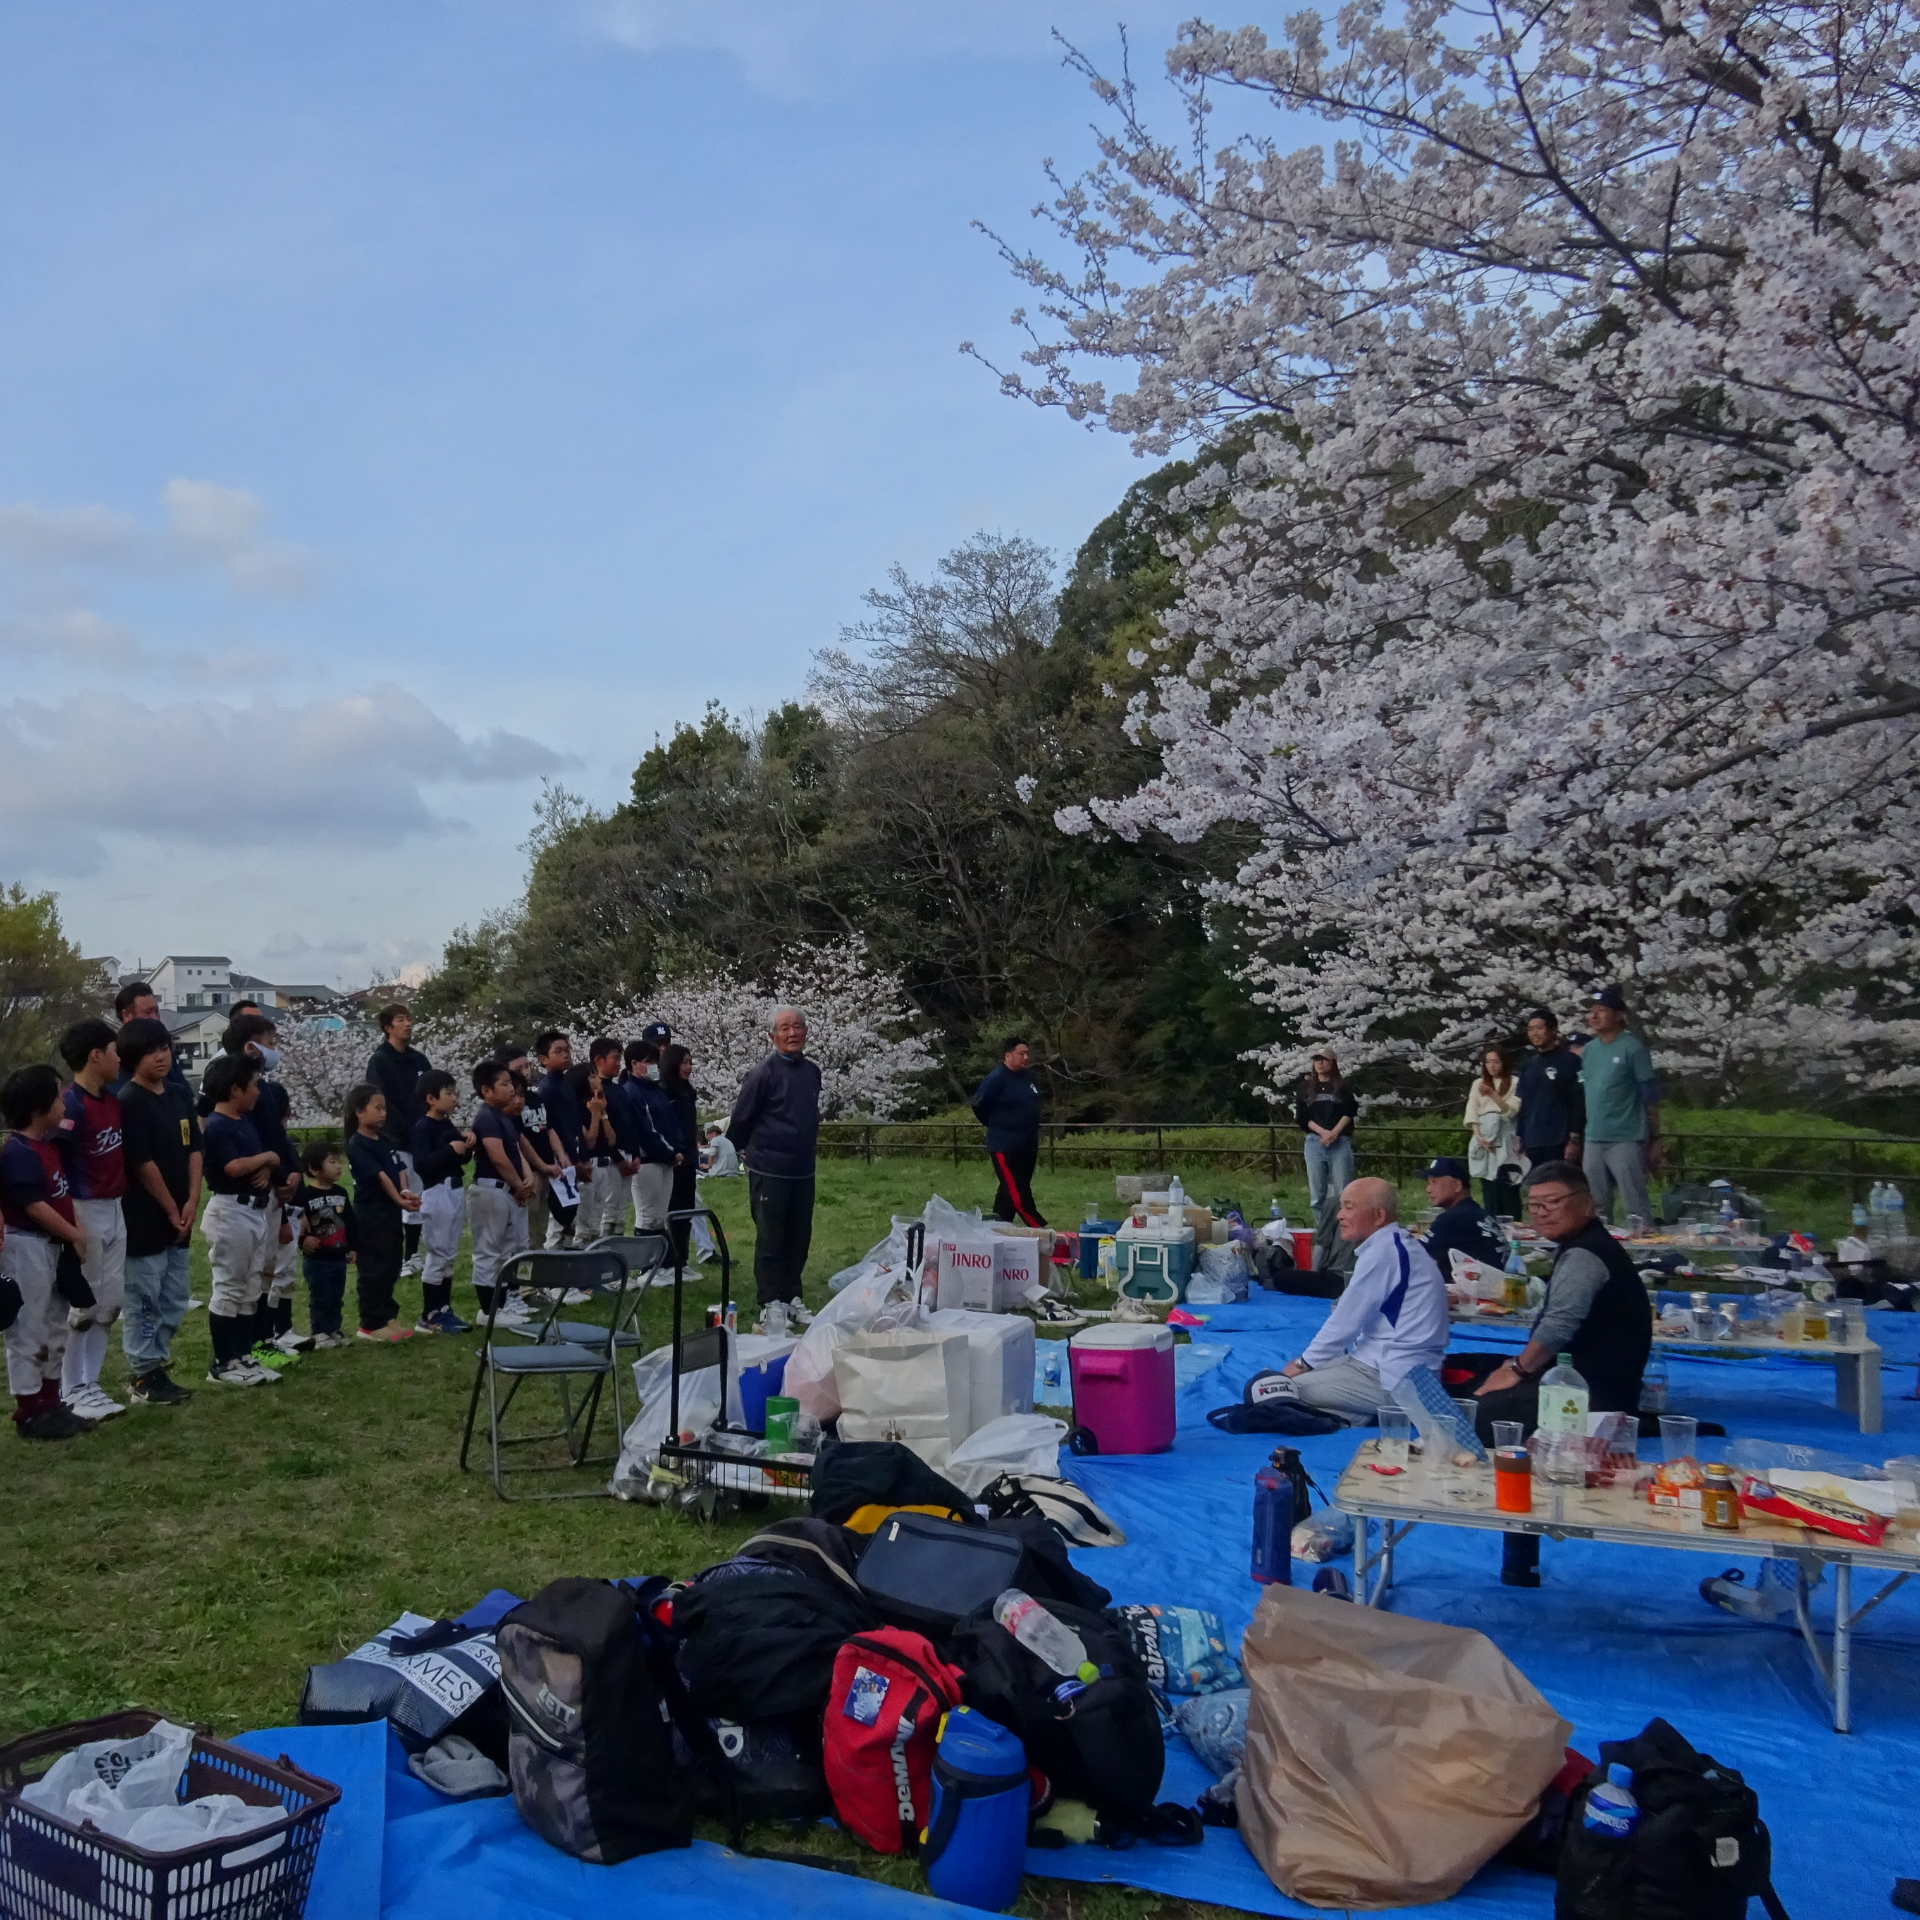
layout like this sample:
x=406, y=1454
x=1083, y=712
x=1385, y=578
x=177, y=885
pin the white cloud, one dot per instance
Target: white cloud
x=206, y=526
x=255, y=782
x=787, y=47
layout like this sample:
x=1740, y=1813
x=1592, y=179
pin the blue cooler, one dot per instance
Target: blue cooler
x=761, y=1381
x=976, y=1838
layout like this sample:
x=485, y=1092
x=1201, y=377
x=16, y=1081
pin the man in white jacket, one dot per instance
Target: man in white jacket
x=1391, y=1319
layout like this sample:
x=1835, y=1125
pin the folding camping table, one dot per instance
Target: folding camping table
x=1422, y=1495
x=1855, y=1363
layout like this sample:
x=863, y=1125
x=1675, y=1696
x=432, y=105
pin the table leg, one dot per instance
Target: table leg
x=1868, y=1389
x=1842, y=1648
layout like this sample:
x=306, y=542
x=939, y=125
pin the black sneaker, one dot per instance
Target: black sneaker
x=54, y=1423
x=156, y=1389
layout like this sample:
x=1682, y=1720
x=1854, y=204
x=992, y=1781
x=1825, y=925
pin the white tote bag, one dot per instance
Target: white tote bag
x=909, y=1386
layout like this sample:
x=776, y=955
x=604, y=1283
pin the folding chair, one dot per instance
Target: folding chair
x=548, y=1355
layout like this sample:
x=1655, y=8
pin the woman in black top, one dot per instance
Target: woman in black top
x=676, y=1076
x=1324, y=1109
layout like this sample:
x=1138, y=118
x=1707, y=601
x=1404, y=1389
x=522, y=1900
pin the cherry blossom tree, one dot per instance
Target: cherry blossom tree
x=1557, y=623
x=859, y=1028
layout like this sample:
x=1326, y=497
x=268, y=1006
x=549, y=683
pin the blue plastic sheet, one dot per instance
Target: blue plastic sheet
x=1613, y=1637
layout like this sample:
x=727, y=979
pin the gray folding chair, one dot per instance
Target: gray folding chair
x=576, y=1367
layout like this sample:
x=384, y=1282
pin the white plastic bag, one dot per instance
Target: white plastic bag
x=1015, y=1443
x=880, y=1300
x=1322, y=1536
x=699, y=1400
x=111, y=1782
x=906, y=1384
x=890, y=1253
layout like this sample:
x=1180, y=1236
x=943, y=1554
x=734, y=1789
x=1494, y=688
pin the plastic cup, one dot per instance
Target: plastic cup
x=1463, y=1483
x=781, y=1414
x=1679, y=1435
x=1512, y=1479
x=1396, y=1430
x=1509, y=1433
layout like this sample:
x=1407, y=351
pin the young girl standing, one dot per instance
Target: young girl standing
x=381, y=1203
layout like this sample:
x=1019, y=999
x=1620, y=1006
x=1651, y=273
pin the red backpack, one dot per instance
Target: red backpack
x=890, y=1690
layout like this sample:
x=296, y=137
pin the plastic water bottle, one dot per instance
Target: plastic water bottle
x=1726, y=1209
x=1859, y=1219
x=1896, y=1215
x=1273, y=1509
x=1176, y=1195
x=1051, y=1641
x=1050, y=1366
x=1611, y=1808
x=1563, y=1426
x=1273, y=1211
x=1877, y=1217
x=1654, y=1386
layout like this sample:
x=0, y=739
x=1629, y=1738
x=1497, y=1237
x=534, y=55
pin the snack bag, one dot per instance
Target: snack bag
x=1837, y=1517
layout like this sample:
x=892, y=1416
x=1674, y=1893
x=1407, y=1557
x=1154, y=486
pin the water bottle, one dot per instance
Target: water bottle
x=1726, y=1209
x=1877, y=1217
x=1859, y=1219
x=1274, y=1503
x=1050, y=1641
x=1562, y=1452
x=1896, y=1215
x=1273, y=1210
x=1050, y=1371
x=1611, y=1808
x=1176, y=1195
x=1654, y=1385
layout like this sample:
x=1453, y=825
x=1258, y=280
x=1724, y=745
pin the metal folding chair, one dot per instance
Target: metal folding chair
x=548, y=1355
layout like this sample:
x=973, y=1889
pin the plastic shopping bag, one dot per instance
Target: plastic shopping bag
x=1015, y=1443
x=110, y=1782
x=880, y=1300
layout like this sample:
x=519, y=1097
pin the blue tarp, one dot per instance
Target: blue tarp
x=1613, y=1637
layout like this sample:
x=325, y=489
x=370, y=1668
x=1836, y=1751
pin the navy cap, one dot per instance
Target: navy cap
x=1446, y=1168
x=656, y=1033
x=1610, y=997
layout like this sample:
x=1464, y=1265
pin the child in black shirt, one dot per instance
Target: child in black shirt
x=327, y=1239
x=381, y=1203
x=440, y=1151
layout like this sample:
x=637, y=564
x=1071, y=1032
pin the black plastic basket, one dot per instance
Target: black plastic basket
x=52, y=1870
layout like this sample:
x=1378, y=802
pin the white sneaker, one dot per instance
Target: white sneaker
x=517, y=1317
x=261, y=1376
x=191, y=1304
x=773, y=1320
x=293, y=1341
x=235, y=1373
x=412, y=1266
x=92, y=1403
x=798, y=1314
x=329, y=1340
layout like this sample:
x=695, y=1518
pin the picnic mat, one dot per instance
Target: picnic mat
x=1613, y=1636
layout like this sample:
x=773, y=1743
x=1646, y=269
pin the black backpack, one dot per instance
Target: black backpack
x=757, y=1640
x=852, y=1474
x=587, y=1682
x=1103, y=1743
x=1700, y=1851
x=760, y=1770
x=925, y=1573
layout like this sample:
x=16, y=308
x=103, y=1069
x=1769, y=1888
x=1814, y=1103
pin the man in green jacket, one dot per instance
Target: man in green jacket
x=1623, y=1110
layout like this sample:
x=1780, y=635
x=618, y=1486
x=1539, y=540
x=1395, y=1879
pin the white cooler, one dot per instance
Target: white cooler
x=1000, y=1358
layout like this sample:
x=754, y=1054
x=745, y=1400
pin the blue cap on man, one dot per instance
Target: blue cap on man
x=1446, y=1167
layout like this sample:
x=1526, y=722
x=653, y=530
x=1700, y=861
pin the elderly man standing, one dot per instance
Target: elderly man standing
x=1391, y=1319
x=776, y=1129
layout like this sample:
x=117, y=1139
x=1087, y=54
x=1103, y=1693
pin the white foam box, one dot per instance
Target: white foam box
x=1000, y=1354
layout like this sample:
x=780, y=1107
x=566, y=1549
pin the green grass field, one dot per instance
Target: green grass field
x=197, y=1560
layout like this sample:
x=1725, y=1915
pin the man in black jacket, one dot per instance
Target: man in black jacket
x=776, y=1129
x=395, y=1069
x=1596, y=1312
x=1463, y=1225
x=1007, y=1104
x=1553, y=1109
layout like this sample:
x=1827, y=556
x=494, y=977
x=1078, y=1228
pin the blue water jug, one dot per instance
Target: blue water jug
x=976, y=1838
x=1274, y=1510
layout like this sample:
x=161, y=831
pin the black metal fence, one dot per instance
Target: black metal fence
x=1394, y=1148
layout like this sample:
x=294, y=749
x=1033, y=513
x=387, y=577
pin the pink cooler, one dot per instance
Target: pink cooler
x=1122, y=1389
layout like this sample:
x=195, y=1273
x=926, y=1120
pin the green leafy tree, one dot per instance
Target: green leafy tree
x=45, y=984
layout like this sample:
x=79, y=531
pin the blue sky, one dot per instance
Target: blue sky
x=408, y=399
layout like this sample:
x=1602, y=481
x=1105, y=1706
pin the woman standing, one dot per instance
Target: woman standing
x=1492, y=1118
x=1325, y=1110
x=676, y=1075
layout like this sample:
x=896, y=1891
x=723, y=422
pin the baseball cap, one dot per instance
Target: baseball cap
x=1446, y=1167
x=656, y=1033
x=1610, y=997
